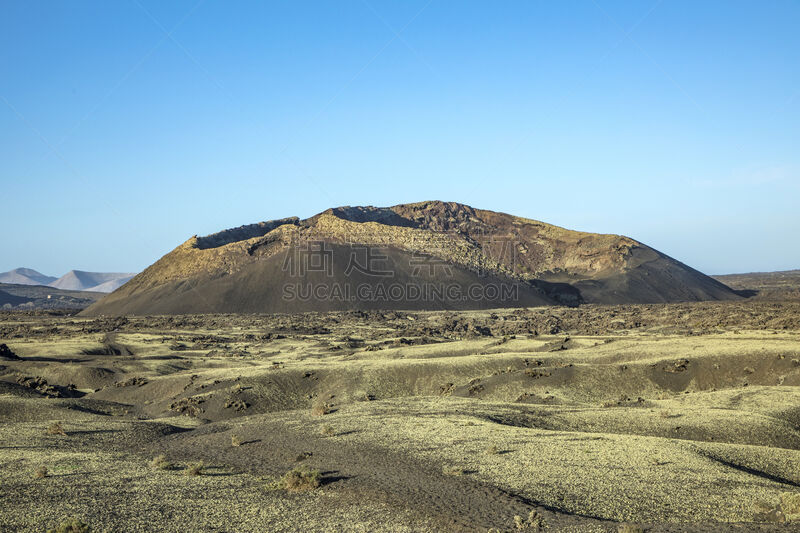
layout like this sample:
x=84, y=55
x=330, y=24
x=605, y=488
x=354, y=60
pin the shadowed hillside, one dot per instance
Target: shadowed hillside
x=29, y=297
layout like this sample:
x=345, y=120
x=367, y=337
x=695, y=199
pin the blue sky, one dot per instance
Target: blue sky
x=128, y=126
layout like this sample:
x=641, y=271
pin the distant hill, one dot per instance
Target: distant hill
x=781, y=285
x=28, y=297
x=74, y=280
x=354, y=257
x=10, y=301
x=113, y=284
x=25, y=276
x=78, y=280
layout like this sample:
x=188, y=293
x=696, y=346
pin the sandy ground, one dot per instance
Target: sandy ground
x=682, y=417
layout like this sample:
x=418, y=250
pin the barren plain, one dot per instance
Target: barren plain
x=664, y=417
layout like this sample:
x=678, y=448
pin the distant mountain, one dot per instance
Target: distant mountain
x=112, y=285
x=78, y=280
x=782, y=285
x=25, y=276
x=427, y=255
x=74, y=280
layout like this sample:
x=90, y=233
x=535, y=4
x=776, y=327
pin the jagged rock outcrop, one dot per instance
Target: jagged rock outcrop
x=7, y=355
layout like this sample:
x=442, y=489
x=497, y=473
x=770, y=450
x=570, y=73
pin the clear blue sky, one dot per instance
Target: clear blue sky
x=127, y=126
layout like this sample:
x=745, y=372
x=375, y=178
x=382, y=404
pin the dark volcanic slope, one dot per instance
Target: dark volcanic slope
x=351, y=257
x=27, y=297
x=264, y=286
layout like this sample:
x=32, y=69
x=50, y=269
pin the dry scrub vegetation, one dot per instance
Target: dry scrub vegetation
x=297, y=480
x=71, y=526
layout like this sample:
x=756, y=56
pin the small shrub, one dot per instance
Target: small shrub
x=235, y=441
x=452, y=470
x=320, y=409
x=298, y=480
x=236, y=405
x=629, y=528
x=161, y=463
x=493, y=450
x=327, y=430
x=73, y=525
x=302, y=457
x=41, y=472
x=195, y=469
x=56, y=429
x=534, y=522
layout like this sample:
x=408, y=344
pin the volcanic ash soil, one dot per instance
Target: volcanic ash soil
x=677, y=417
